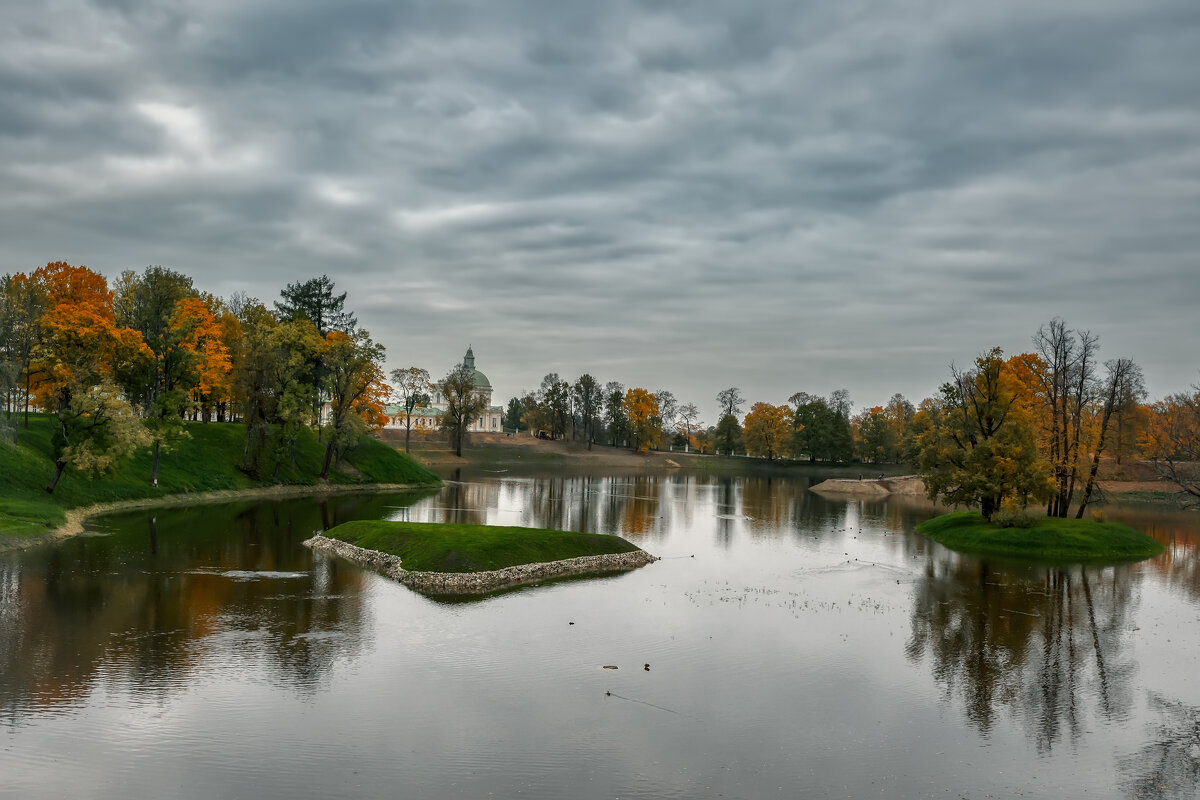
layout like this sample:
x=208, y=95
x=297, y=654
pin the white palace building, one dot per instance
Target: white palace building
x=426, y=418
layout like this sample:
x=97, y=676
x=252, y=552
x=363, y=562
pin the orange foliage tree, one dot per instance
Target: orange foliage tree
x=200, y=358
x=645, y=424
x=767, y=430
x=1172, y=441
x=81, y=347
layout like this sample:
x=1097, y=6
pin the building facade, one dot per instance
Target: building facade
x=428, y=417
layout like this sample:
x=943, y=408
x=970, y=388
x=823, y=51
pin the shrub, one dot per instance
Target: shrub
x=1009, y=517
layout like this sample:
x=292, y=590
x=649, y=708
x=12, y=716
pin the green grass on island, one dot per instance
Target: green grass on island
x=436, y=547
x=207, y=461
x=1049, y=539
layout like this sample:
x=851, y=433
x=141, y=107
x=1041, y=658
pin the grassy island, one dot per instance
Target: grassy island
x=205, y=461
x=437, y=547
x=1049, y=539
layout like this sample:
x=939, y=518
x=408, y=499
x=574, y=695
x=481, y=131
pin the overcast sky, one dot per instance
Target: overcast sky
x=778, y=196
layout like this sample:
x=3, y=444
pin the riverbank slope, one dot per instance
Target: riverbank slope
x=492, y=453
x=201, y=466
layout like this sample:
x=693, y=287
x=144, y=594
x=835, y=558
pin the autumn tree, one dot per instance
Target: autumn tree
x=411, y=387
x=877, y=439
x=899, y=412
x=354, y=386
x=767, y=430
x=1123, y=387
x=644, y=416
x=1065, y=382
x=1173, y=441
x=196, y=360
x=588, y=399
x=464, y=404
x=80, y=348
x=975, y=448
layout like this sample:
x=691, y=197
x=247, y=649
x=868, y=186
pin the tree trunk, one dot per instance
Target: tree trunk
x=328, y=459
x=407, y=433
x=988, y=507
x=59, y=467
x=154, y=468
x=1091, y=481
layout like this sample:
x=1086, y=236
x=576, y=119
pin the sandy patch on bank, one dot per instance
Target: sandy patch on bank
x=872, y=487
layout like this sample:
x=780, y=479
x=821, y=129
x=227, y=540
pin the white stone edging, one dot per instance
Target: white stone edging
x=460, y=583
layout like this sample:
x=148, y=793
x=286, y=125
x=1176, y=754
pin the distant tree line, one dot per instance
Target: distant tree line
x=122, y=367
x=1030, y=429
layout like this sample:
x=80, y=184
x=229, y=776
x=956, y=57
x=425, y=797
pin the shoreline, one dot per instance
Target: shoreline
x=1112, y=493
x=478, y=583
x=76, y=517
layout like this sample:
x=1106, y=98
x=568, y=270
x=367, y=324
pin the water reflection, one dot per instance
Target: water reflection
x=1044, y=644
x=802, y=640
x=1179, y=532
x=160, y=598
x=1168, y=766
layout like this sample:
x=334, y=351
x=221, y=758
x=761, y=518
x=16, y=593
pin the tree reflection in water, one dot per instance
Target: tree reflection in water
x=1043, y=643
x=1168, y=767
x=132, y=610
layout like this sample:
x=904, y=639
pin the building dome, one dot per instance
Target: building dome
x=478, y=378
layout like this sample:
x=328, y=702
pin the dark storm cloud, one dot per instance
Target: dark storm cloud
x=774, y=195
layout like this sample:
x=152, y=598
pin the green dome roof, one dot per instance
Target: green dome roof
x=478, y=378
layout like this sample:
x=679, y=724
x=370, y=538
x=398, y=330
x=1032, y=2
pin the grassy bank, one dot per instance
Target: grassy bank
x=433, y=547
x=205, y=462
x=1050, y=539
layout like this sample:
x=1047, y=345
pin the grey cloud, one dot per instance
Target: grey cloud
x=777, y=195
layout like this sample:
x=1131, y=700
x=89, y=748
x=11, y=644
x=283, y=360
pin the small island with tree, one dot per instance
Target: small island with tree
x=461, y=559
x=977, y=446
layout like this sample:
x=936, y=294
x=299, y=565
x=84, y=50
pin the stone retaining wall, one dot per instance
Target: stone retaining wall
x=450, y=583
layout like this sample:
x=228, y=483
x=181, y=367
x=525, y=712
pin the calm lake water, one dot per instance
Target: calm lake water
x=798, y=646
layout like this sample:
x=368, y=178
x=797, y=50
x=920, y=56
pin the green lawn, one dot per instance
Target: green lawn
x=1051, y=539
x=433, y=547
x=207, y=461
